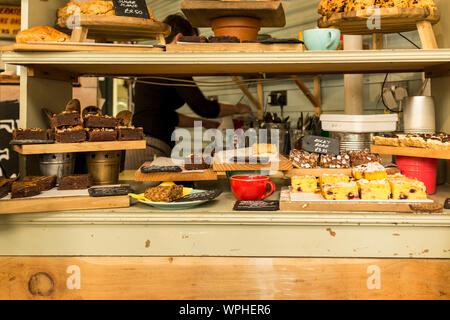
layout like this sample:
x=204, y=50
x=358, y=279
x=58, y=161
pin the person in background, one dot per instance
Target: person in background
x=156, y=106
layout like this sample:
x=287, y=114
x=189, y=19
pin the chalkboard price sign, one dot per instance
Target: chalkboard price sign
x=131, y=8
x=320, y=145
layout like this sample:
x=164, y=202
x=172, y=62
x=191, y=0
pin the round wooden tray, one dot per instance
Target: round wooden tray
x=112, y=28
x=392, y=20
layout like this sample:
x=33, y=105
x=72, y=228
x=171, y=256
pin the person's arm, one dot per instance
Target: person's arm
x=188, y=122
x=207, y=108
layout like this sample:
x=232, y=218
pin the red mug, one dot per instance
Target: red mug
x=251, y=187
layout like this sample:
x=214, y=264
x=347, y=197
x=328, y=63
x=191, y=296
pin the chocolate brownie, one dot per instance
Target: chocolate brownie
x=51, y=134
x=224, y=39
x=44, y=183
x=303, y=159
x=335, y=161
x=98, y=121
x=4, y=190
x=195, y=162
x=164, y=193
x=75, y=182
x=102, y=134
x=195, y=39
x=70, y=135
x=29, y=134
x=91, y=110
x=130, y=133
x=66, y=119
x=23, y=189
x=5, y=186
x=358, y=158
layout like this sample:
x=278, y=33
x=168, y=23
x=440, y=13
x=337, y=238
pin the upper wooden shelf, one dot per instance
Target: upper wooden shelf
x=433, y=62
x=79, y=147
x=200, y=13
x=411, y=152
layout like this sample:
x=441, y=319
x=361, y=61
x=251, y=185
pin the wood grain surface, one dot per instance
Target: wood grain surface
x=392, y=20
x=411, y=152
x=317, y=172
x=79, y=147
x=64, y=47
x=283, y=165
x=161, y=278
x=25, y=205
x=234, y=47
x=200, y=13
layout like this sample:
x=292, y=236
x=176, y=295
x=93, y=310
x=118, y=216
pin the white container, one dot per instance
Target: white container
x=359, y=123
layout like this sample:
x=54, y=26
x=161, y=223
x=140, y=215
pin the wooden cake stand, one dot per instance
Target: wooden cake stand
x=392, y=20
x=115, y=28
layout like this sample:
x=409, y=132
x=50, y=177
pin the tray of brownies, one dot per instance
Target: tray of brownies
x=76, y=131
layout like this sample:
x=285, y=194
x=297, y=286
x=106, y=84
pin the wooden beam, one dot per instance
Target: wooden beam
x=79, y=34
x=426, y=35
x=318, y=95
x=245, y=90
x=53, y=278
x=51, y=74
x=311, y=97
x=259, y=88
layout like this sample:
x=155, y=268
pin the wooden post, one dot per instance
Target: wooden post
x=318, y=95
x=311, y=97
x=244, y=89
x=377, y=41
x=426, y=34
x=259, y=88
x=161, y=40
x=79, y=34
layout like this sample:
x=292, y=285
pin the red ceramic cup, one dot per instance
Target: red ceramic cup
x=251, y=187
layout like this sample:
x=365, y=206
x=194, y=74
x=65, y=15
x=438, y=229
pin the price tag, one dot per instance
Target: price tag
x=320, y=145
x=131, y=8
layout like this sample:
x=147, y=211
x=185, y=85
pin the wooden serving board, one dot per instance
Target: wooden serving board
x=283, y=165
x=411, y=152
x=355, y=205
x=79, y=147
x=111, y=28
x=206, y=175
x=234, y=47
x=200, y=13
x=73, y=47
x=393, y=20
x=317, y=172
x=61, y=203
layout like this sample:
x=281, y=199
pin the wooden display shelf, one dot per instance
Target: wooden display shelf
x=433, y=62
x=411, y=152
x=115, y=28
x=235, y=47
x=200, y=13
x=283, y=165
x=316, y=172
x=73, y=46
x=25, y=205
x=9, y=79
x=79, y=147
x=206, y=175
x=393, y=20
x=354, y=205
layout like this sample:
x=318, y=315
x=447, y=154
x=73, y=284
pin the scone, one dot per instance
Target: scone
x=307, y=184
x=340, y=191
x=41, y=33
x=359, y=5
x=374, y=190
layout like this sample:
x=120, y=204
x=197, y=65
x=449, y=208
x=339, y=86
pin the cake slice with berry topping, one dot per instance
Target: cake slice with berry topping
x=307, y=184
x=374, y=189
x=333, y=178
x=340, y=191
x=407, y=189
x=370, y=171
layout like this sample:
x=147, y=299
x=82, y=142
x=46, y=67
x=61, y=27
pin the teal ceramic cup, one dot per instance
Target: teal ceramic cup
x=321, y=39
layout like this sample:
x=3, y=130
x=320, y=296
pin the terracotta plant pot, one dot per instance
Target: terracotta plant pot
x=244, y=28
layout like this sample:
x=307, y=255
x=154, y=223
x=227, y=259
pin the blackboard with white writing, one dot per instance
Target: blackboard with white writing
x=131, y=8
x=320, y=145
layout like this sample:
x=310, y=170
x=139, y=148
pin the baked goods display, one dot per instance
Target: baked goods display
x=101, y=134
x=41, y=33
x=333, y=178
x=211, y=39
x=129, y=133
x=44, y=183
x=439, y=141
x=164, y=193
x=75, y=182
x=370, y=171
x=329, y=7
x=340, y=191
x=303, y=159
x=196, y=162
x=358, y=158
x=100, y=121
x=70, y=134
x=29, y=134
x=306, y=184
x=374, y=189
x=92, y=8
x=66, y=119
x=404, y=188
x=23, y=189
x=335, y=161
